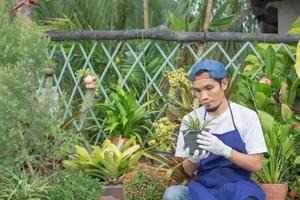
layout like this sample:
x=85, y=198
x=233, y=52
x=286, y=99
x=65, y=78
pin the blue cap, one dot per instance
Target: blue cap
x=215, y=69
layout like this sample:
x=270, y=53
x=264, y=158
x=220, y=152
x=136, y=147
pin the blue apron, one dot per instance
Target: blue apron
x=220, y=179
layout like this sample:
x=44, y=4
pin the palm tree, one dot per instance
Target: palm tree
x=101, y=15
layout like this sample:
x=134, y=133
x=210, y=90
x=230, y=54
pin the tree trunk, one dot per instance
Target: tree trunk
x=201, y=46
x=146, y=14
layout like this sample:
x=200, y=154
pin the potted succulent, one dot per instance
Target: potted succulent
x=108, y=162
x=276, y=162
x=194, y=127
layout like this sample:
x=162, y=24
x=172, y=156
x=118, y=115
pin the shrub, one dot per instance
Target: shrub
x=144, y=184
x=28, y=135
x=74, y=185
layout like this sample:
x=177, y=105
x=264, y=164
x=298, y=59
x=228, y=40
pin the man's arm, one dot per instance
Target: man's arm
x=189, y=167
x=191, y=163
x=209, y=142
x=249, y=162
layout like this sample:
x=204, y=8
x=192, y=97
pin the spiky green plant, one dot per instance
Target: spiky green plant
x=19, y=185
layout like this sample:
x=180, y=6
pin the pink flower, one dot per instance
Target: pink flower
x=265, y=80
x=89, y=81
x=293, y=125
x=293, y=194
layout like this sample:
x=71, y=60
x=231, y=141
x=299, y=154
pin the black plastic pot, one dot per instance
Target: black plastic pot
x=190, y=140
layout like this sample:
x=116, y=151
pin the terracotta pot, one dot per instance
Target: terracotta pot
x=110, y=191
x=275, y=191
x=118, y=140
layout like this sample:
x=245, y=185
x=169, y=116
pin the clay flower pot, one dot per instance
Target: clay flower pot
x=275, y=191
x=112, y=191
x=118, y=140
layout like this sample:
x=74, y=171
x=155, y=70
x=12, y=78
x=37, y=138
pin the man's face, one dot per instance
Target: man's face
x=209, y=91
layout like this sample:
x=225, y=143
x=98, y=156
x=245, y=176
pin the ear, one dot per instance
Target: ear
x=224, y=83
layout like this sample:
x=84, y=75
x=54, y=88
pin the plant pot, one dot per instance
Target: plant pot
x=275, y=191
x=190, y=140
x=112, y=190
x=118, y=140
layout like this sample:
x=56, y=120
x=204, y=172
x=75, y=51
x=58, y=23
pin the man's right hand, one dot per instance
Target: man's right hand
x=196, y=157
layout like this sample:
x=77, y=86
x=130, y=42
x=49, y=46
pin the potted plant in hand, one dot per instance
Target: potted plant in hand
x=194, y=127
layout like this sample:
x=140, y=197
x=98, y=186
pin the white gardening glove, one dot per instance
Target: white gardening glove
x=196, y=157
x=211, y=143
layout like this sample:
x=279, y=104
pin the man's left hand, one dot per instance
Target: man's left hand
x=211, y=143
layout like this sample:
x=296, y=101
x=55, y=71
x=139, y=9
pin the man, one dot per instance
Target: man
x=231, y=150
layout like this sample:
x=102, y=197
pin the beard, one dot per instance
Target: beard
x=214, y=109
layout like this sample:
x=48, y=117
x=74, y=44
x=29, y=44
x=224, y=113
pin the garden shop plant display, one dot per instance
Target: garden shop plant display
x=107, y=162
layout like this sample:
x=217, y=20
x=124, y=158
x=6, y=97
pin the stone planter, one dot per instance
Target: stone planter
x=112, y=191
x=275, y=191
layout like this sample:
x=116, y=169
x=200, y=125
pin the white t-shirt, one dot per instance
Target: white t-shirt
x=246, y=121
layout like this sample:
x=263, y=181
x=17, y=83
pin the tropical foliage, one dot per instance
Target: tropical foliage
x=108, y=162
x=124, y=117
x=281, y=147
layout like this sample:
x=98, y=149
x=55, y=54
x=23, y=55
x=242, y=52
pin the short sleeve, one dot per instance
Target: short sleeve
x=253, y=135
x=180, y=152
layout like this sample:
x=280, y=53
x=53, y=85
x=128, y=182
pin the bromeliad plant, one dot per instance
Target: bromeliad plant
x=108, y=162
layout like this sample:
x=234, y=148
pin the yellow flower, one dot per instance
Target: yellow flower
x=117, y=60
x=151, y=142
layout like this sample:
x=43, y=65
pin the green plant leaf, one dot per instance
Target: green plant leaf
x=260, y=99
x=295, y=29
x=266, y=120
x=297, y=160
x=286, y=112
x=223, y=22
x=270, y=61
x=297, y=65
x=267, y=90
